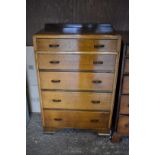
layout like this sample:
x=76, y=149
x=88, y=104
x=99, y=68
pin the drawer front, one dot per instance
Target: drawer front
x=76, y=100
x=123, y=125
x=127, y=52
x=76, y=80
x=126, y=67
x=125, y=88
x=77, y=61
x=76, y=119
x=124, y=105
x=76, y=45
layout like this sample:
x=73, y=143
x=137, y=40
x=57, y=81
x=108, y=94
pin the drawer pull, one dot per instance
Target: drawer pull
x=54, y=62
x=126, y=125
x=95, y=102
x=56, y=81
x=53, y=46
x=56, y=100
x=94, y=120
x=97, y=62
x=96, y=81
x=58, y=119
x=99, y=46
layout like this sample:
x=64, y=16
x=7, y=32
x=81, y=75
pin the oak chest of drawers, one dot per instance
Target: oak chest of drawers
x=77, y=76
x=121, y=118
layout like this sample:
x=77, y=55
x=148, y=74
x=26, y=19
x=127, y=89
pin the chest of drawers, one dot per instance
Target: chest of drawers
x=121, y=118
x=77, y=76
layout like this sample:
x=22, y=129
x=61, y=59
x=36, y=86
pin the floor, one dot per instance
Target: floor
x=70, y=142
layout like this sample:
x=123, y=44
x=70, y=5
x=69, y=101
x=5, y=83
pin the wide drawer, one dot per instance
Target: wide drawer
x=124, y=105
x=125, y=88
x=76, y=45
x=123, y=125
x=76, y=100
x=77, y=61
x=76, y=80
x=76, y=119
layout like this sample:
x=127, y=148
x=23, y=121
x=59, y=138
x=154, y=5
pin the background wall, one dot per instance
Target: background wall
x=40, y=12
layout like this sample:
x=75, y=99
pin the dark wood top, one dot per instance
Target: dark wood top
x=77, y=29
x=83, y=29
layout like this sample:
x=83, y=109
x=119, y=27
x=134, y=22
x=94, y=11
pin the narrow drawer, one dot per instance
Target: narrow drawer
x=76, y=100
x=76, y=80
x=125, y=88
x=54, y=45
x=124, y=105
x=126, y=67
x=76, y=119
x=77, y=61
x=127, y=52
x=123, y=125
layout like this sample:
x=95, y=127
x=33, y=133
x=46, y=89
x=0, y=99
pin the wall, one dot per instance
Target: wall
x=32, y=84
x=40, y=12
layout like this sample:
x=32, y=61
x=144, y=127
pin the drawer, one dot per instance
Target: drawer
x=127, y=52
x=76, y=80
x=67, y=45
x=76, y=119
x=77, y=61
x=123, y=125
x=126, y=67
x=125, y=87
x=76, y=100
x=124, y=105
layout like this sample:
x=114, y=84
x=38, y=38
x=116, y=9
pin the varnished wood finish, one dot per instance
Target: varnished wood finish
x=126, y=68
x=123, y=125
x=124, y=105
x=121, y=115
x=66, y=90
x=76, y=100
x=76, y=80
x=77, y=61
x=76, y=45
x=127, y=52
x=125, y=88
x=76, y=119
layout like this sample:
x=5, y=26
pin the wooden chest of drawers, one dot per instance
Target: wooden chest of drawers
x=77, y=77
x=121, y=119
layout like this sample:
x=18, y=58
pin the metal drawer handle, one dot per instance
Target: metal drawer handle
x=94, y=120
x=56, y=100
x=126, y=125
x=95, y=102
x=97, y=62
x=54, y=62
x=96, y=81
x=53, y=45
x=56, y=81
x=99, y=46
x=58, y=119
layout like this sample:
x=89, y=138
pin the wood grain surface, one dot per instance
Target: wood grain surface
x=77, y=62
x=76, y=119
x=123, y=125
x=76, y=80
x=124, y=105
x=76, y=100
x=76, y=45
